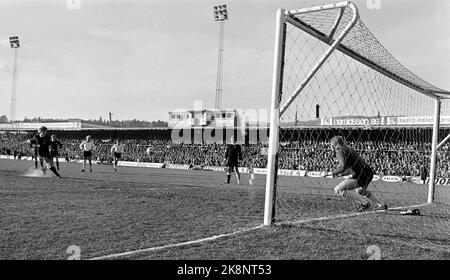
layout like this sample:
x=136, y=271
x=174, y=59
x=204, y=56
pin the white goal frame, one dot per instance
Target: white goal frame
x=284, y=17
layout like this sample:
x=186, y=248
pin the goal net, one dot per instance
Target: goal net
x=333, y=77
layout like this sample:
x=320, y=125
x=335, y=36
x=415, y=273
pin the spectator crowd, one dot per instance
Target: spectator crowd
x=398, y=158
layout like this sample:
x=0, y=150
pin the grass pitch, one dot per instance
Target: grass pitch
x=106, y=213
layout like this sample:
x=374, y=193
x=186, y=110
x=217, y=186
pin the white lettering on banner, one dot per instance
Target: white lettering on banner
x=391, y=121
x=214, y=168
x=440, y=181
x=359, y=121
x=315, y=174
x=391, y=178
x=415, y=180
x=222, y=169
x=259, y=171
x=153, y=165
x=177, y=166
x=243, y=169
x=352, y=122
x=140, y=164
x=421, y=120
x=381, y=121
x=81, y=161
x=287, y=172
x=326, y=121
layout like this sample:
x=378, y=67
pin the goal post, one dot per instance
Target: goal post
x=434, y=143
x=274, y=120
x=281, y=22
x=325, y=57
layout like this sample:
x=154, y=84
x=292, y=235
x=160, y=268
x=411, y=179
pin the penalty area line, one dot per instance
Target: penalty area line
x=187, y=243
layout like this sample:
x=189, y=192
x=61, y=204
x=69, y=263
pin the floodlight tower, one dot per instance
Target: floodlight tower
x=220, y=15
x=14, y=43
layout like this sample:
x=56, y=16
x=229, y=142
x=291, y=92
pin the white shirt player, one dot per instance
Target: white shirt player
x=117, y=148
x=87, y=146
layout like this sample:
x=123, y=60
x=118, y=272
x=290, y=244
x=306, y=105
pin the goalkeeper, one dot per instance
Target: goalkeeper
x=351, y=163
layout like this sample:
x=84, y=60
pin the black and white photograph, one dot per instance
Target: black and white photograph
x=224, y=137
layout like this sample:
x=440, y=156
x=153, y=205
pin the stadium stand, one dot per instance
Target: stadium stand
x=398, y=158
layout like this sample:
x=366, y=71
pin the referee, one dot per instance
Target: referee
x=232, y=157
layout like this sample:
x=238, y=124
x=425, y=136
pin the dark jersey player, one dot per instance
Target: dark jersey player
x=55, y=146
x=351, y=163
x=42, y=141
x=35, y=155
x=233, y=155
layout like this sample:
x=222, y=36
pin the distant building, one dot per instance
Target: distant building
x=205, y=117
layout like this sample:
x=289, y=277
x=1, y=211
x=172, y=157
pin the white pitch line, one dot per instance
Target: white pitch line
x=175, y=245
x=327, y=218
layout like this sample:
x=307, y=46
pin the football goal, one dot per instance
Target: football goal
x=333, y=77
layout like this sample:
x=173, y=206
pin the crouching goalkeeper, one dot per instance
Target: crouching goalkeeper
x=351, y=163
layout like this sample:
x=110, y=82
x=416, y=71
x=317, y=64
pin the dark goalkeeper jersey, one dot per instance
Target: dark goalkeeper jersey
x=233, y=154
x=43, y=145
x=55, y=145
x=350, y=160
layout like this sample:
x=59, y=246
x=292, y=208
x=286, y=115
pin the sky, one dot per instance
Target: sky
x=141, y=59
